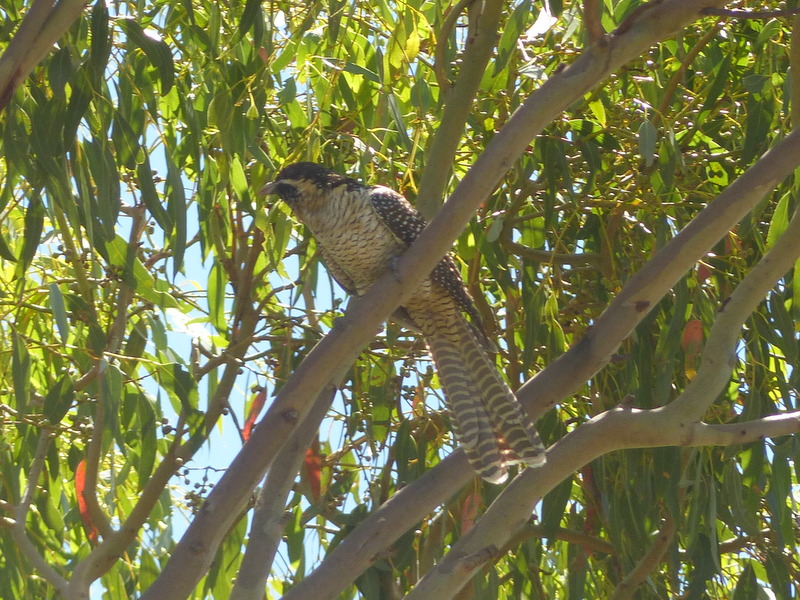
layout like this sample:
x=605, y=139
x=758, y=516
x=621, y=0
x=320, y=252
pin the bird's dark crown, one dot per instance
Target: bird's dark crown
x=309, y=171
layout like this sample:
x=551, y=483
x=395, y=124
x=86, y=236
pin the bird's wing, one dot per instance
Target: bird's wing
x=406, y=223
x=397, y=214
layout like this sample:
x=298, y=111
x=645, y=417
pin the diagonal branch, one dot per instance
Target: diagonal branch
x=616, y=429
x=20, y=512
x=681, y=418
x=459, y=101
x=649, y=562
x=719, y=353
x=267, y=529
x=569, y=371
x=44, y=24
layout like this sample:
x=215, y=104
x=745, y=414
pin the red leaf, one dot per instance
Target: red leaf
x=691, y=343
x=692, y=337
x=703, y=272
x=313, y=466
x=469, y=511
x=80, y=486
x=255, y=409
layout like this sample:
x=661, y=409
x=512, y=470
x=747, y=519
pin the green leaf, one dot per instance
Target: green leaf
x=217, y=282
x=239, y=182
x=780, y=219
x=721, y=80
x=778, y=575
x=156, y=50
x=397, y=117
x=147, y=427
x=599, y=111
x=101, y=39
x=59, y=71
x=252, y=9
x=184, y=387
x=757, y=128
x=150, y=196
x=96, y=340
x=176, y=205
x=78, y=104
x=20, y=370
x=747, y=588
x=125, y=141
x=6, y=252
x=111, y=385
x=359, y=70
x=220, y=110
x=288, y=91
x=134, y=274
x=553, y=506
x=59, y=313
x=107, y=184
x=34, y=225
x=510, y=38
x=134, y=347
x=648, y=137
x=734, y=496
x=705, y=568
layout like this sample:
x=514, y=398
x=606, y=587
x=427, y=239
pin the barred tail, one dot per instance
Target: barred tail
x=470, y=422
x=510, y=422
x=487, y=418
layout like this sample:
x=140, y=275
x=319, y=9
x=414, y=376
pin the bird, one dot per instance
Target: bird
x=360, y=231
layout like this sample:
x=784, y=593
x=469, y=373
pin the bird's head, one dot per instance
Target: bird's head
x=301, y=182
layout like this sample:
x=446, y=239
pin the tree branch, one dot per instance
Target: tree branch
x=571, y=536
x=40, y=29
x=267, y=528
x=750, y=14
x=442, y=37
x=592, y=18
x=643, y=291
x=616, y=429
x=92, y=458
x=545, y=256
x=459, y=100
x=719, y=353
x=648, y=563
x=20, y=512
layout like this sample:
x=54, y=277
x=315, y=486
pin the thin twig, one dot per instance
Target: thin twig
x=439, y=57
x=571, y=536
x=35, y=472
x=92, y=460
x=545, y=256
x=648, y=563
x=20, y=512
x=750, y=14
x=592, y=18
x=672, y=85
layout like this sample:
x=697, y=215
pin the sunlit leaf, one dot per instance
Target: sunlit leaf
x=156, y=50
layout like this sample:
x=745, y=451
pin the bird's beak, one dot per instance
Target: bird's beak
x=270, y=188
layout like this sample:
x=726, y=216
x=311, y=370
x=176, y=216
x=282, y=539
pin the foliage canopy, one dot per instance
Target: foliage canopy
x=147, y=296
